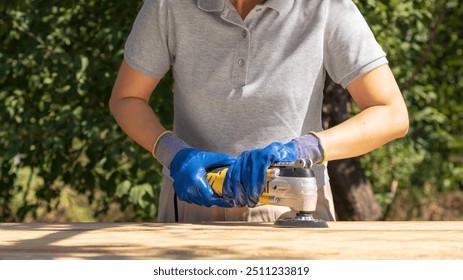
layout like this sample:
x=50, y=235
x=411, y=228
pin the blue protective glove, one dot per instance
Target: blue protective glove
x=245, y=180
x=188, y=169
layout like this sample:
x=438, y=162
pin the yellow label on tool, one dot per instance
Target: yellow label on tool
x=216, y=178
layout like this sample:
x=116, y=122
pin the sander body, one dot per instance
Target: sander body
x=290, y=184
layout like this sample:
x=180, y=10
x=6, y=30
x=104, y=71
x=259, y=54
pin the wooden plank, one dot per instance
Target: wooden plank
x=343, y=240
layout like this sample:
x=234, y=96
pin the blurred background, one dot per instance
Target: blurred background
x=64, y=159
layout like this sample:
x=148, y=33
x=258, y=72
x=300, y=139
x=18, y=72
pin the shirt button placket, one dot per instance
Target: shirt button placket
x=242, y=56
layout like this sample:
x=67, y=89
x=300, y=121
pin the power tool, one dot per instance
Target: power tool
x=290, y=184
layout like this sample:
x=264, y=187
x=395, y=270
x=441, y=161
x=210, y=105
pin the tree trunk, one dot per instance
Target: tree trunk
x=352, y=193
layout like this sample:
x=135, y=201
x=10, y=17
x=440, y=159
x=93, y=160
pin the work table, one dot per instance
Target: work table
x=232, y=240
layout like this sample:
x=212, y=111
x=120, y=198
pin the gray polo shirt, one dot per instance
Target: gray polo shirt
x=242, y=84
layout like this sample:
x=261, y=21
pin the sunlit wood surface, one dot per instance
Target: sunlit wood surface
x=343, y=240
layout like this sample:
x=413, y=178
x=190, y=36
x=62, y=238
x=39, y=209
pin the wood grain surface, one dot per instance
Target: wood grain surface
x=221, y=240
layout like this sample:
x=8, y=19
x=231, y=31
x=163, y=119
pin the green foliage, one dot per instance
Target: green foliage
x=424, y=47
x=58, y=62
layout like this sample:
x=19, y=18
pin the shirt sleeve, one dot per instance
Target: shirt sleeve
x=146, y=49
x=350, y=47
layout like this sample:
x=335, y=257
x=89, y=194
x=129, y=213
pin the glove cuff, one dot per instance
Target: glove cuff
x=310, y=147
x=166, y=147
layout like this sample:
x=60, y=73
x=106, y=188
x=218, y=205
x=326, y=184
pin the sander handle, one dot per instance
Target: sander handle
x=216, y=177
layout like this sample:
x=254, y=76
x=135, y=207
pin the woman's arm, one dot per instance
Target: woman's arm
x=383, y=117
x=188, y=166
x=129, y=105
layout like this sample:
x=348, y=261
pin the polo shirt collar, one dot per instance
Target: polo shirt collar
x=211, y=5
x=277, y=5
x=218, y=5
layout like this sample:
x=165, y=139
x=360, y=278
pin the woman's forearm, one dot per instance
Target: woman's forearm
x=368, y=130
x=138, y=120
x=129, y=105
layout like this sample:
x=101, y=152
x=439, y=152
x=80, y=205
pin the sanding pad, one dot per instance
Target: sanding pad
x=301, y=221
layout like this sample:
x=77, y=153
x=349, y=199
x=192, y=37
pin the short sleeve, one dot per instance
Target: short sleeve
x=350, y=48
x=146, y=49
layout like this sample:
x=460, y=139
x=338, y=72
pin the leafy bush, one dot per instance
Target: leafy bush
x=424, y=46
x=59, y=62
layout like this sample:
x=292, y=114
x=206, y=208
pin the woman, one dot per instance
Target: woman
x=248, y=83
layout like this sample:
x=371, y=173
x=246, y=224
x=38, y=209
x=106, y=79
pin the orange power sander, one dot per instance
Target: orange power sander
x=290, y=184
